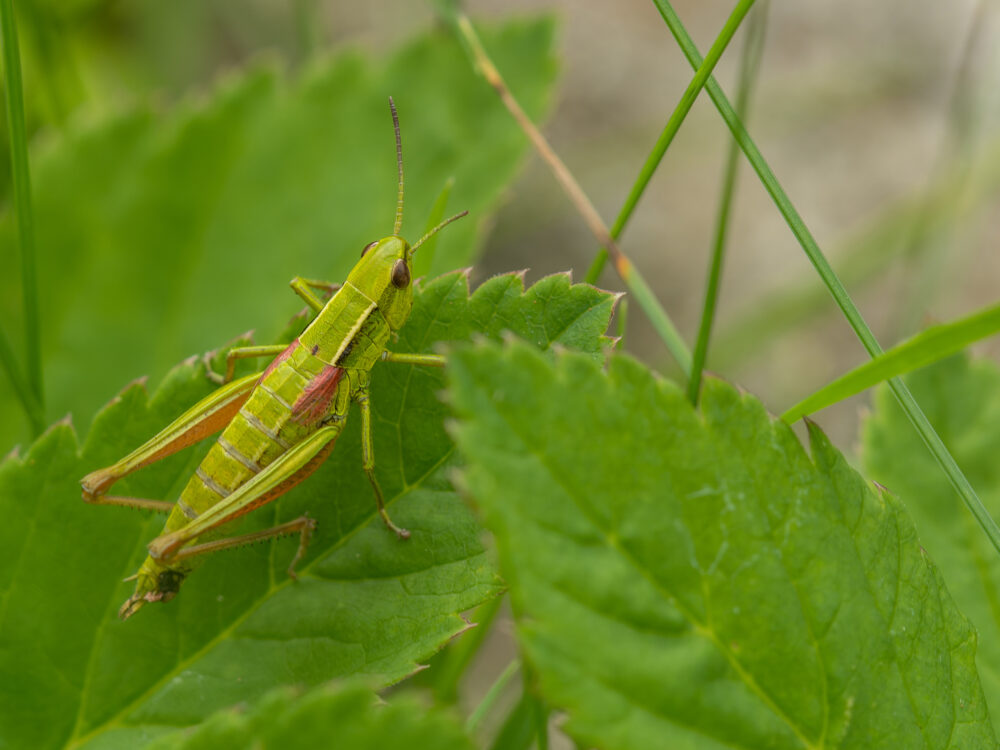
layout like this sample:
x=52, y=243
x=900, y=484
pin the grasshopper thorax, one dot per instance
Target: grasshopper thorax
x=384, y=276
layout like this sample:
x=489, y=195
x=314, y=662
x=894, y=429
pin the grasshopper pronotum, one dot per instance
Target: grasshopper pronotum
x=280, y=424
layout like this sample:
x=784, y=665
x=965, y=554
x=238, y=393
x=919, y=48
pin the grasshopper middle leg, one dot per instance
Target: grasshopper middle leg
x=424, y=360
x=368, y=462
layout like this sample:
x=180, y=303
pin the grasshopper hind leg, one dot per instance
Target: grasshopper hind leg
x=137, y=503
x=303, y=525
x=159, y=582
x=205, y=418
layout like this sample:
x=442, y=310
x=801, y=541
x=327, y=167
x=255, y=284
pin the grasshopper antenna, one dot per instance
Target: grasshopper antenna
x=435, y=230
x=399, y=167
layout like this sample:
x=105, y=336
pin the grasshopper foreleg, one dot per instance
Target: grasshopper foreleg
x=240, y=352
x=304, y=287
x=368, y=462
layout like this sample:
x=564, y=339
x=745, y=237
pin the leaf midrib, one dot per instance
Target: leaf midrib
x=611, y=541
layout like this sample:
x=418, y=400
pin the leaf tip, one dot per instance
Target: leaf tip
x=139, y=383
x=882, y=489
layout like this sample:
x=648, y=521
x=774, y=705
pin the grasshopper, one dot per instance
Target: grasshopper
x=277, y=425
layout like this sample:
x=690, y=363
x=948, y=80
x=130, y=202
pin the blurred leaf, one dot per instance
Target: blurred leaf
x=694, y=579
x=334, y=717
x=365, y=604
x=447, y=669
x=161, y=233
x=962, y=401
x=931, y=345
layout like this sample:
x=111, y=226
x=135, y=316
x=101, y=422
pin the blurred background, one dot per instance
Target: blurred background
x=879, y=119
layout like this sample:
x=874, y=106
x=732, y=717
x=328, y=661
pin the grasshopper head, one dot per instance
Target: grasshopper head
x=383, y=275
x=157, y=584
x=384, y=272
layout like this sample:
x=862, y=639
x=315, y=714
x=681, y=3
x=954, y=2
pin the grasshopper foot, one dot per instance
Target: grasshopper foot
x=211, y=374
x=306, y=526
x=399, y=530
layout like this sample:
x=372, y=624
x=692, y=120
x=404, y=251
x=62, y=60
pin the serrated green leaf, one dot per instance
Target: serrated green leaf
x=695, y=579
x=962, y=400
x=366, y=604
x=334, y=717
x=927, y=347
x=161, y=233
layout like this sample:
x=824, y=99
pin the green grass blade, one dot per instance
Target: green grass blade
x=645, y=297
x=836, y=288
x=20, y=386
x=22, y=195
x=958, y=144
x=702, y=74
x=489, y=700
x=308, y=26
x=642, y=292
x=925, y=348
x=950, y=200
x=753, y=50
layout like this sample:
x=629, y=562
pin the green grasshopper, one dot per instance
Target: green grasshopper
x=280, y=424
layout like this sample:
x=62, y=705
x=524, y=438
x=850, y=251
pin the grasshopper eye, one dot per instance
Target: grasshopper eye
x=368, y=247
x=400, y=274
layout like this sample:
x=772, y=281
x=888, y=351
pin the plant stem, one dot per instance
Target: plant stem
x=702, y=74
x=633, y=279
x=22, y=197
x=826, y=273
x=20, y=386
x=753, y=49
x=501, y=682
x=308, y=23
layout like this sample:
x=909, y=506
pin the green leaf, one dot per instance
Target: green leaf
x=161, y=233
x=962, y=400
x=330, y=716
x=366, y=603
x=695, y=579
x=927, y=347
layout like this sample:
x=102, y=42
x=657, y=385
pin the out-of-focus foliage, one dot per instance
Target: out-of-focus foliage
x=676, y=574
x=166, y=231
